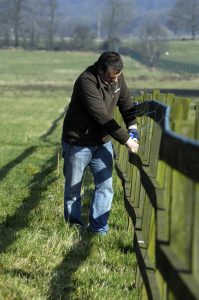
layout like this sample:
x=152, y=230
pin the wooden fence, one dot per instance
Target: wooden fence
x=178, y=67
x=161, y=196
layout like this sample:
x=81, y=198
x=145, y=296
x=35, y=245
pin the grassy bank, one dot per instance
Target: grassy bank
x=45, y=70
x=183, y=51
x=41, y=257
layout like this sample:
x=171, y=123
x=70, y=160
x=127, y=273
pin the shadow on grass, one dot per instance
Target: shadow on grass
x=6, y=169
x=53, y=127
x=39, y=184
x=63, y=284
x=27, y=152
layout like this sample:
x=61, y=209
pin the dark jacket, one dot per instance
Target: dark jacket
x=89, y=119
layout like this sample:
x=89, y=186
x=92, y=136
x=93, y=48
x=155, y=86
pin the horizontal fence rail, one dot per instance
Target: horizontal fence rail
x=161, y=195
x=178, y=67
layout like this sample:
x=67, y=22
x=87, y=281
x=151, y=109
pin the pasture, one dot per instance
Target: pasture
x=183, y=51
x=41, y=257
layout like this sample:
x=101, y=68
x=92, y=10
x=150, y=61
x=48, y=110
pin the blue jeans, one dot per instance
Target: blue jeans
x=100, y=160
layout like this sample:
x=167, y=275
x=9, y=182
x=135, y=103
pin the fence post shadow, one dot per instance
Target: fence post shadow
x=6, y=169
x=19, y=220
x=62, y=284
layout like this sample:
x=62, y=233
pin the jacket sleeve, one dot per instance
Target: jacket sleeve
x=93, y=102
x=126, y=105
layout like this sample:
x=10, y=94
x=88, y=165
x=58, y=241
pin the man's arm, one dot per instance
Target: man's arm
x=126, y=104
x=92, y=100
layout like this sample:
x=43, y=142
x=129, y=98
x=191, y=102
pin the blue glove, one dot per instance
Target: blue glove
x=133, y=133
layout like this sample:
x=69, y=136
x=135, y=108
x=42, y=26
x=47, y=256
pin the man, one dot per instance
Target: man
x=87, y=131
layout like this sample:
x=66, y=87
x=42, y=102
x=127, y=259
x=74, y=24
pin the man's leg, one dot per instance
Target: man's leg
x=101, y=166
x=76, y=159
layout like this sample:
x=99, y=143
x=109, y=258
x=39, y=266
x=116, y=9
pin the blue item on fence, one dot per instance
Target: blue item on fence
x=133, y=133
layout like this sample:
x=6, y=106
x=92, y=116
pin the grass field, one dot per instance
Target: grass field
x=41, y=257
x=183, y=51
x=59, y=70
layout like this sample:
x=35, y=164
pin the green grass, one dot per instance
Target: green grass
x=139, y=76
x=52, y=71
x=183, y=51
x=41, y=67
x=41, y=257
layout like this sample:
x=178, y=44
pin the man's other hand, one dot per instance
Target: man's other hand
x=132, y=145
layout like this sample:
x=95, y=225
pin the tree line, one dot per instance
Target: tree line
x=42, y=24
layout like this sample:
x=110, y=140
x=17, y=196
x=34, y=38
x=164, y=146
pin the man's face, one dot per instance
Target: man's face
x=110, y=76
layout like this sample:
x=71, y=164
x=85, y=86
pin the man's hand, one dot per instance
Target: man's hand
x=132, y=145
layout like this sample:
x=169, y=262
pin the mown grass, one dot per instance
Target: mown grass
x=183, y=51
x=41, y=257
x=44, y=70
x=42, y=66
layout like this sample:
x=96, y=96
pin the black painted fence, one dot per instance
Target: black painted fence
x=161, y=196
x=178, y=67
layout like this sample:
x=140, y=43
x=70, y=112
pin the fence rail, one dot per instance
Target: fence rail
x=178, y=67
x=161, y=195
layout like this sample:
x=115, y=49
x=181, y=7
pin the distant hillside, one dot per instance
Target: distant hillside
x=154, y=4
x=80, y=7
x=86, y=12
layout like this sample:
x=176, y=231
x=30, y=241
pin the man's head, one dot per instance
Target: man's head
x=110, y=66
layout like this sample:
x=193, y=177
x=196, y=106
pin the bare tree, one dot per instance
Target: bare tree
x=51, y=21
x=4, y=27
x=11, y=18
x=26, y=22
x=116, y=16
x=82, y=37
x=33, y=20
x=153, y=42
x=16, y=15
x=185, y=16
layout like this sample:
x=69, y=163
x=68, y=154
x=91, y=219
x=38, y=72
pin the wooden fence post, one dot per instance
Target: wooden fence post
x=162, y=202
